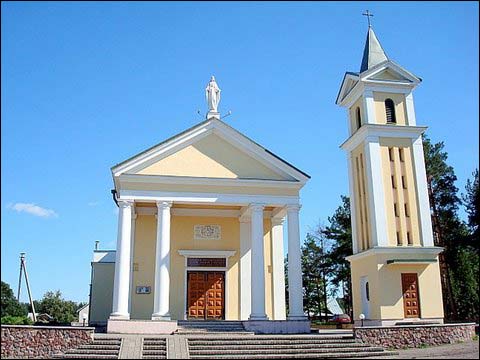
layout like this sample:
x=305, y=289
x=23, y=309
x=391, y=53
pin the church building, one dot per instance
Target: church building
x=395, y=269
x=201, y=233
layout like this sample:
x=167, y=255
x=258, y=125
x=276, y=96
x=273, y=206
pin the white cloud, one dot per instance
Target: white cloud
x=33, y=210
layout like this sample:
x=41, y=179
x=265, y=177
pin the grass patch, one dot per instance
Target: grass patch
x=475, y=338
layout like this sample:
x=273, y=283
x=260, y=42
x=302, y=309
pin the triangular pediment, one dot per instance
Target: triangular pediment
x=211, y=157
x=211, y=149
x=389, y=75
x=389, y=71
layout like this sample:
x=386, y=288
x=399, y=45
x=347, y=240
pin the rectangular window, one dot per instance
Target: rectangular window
x=393, y=182
x=404, y=183
x=407, y=213
x=390, y=153
x=399, y=242
x=395, y=209
x=400, y=152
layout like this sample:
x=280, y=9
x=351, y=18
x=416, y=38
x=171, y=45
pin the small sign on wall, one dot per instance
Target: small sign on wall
x=143, y=289
x=207, y=232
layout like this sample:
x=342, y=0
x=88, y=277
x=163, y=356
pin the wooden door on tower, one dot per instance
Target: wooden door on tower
x=205, y=295
x=411, y=301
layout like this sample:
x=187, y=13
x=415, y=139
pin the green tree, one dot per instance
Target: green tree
x=53, y=304
x=459, y=283
x=339, y=231
x=471, y=201
x=9, y=304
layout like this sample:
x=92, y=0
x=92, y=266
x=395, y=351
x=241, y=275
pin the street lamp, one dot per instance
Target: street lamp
x=362, y=317
x=84, y=317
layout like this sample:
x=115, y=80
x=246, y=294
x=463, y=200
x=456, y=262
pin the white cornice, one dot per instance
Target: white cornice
x=187, y=180
x=206, y=198
x=381, y=130
x=400, y=250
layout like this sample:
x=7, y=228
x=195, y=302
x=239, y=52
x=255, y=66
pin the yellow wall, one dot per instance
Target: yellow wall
x=182, y=239
x=402, y=223
x=101, y=291
x=211, y=157
x=144, y=261
x=353, y=115
x=386, y=298
x=400, y=110
x=363, y=230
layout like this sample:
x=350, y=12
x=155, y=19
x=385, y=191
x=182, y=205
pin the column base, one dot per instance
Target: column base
x=258, y=317
x=165, y=317
x=119, y=316
x=296, y=317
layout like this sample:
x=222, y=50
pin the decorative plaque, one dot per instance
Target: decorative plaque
x=207, y=232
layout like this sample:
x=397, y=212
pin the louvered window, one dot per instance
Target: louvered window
x=390, y=111
x=359, y=118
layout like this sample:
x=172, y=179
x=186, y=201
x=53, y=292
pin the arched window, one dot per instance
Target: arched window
x=359, y=118
x=390, y=111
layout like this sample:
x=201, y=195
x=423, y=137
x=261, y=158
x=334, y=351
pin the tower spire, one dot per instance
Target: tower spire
x=373, y=52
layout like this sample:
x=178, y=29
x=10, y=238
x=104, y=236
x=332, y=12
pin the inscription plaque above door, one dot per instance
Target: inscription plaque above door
x=206, y=262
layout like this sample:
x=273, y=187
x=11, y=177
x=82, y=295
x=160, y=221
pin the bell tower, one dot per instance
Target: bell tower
x=395, y=270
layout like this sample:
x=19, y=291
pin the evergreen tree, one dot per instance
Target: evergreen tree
x=471, y=200
x=459, y=282
x=339, y=231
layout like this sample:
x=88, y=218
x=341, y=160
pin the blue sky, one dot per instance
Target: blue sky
x=87, y=85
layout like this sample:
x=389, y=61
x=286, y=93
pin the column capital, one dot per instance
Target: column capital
x=277, y=221
x=245, y=219
x=164, y=204
x=125, y=203
x=293, y=207
x=256, y=207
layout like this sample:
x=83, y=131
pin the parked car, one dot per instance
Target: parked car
x=341, y=319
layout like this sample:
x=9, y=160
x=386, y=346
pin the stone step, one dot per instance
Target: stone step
x=241, y=346
x=296, y=356
x=237, y=351
x=253, y=340
x=215, y=333
x=220, y=322
x=89, y=351
x=86, y=356
x=99, y=347
x=154, y=357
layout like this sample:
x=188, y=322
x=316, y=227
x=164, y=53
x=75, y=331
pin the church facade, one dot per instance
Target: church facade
x=202, y=216
x=395, y=268
x=201, y=231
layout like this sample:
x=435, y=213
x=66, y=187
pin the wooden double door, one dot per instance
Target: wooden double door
x=411, y=300
x=205, y=295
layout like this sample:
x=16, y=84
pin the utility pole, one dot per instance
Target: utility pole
x=23, y=268
x=439, y=241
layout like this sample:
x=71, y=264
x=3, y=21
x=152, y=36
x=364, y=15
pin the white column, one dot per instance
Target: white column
x=121, y=283
x=353, y=212
x=161, y=291
x=278, y=270
x=245, y=267
x=411, y=118
x=369, y=107
x=295, y=289
x=258, y=264
x=422, y=193
x=132, y=254
x=376, y=194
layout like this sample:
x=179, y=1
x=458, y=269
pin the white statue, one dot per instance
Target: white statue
x=212, y=93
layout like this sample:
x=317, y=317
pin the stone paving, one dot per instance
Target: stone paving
x=466, y=350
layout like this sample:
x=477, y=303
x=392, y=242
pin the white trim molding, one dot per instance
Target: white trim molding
x=392, y=250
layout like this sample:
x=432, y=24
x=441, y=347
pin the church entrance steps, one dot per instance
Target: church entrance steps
x=154, y=348
x=103, y=348
x=281, y=347
x=206, y=327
